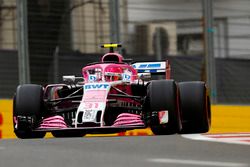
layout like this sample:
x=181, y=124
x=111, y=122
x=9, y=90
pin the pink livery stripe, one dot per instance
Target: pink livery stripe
x=53, y=126
x=127, y=119
x=128, y=115
x=57, y=117
x=130, y=124
x=53, y=122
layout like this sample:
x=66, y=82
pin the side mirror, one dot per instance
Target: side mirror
x=69, y=78
x=72, y=79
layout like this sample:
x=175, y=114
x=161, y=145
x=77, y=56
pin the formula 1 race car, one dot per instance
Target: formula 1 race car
x=112, y=96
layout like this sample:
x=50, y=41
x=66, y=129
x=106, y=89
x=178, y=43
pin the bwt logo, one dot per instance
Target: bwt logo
x=96, y=86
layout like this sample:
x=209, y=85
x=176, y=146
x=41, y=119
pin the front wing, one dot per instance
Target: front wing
x=94, y=130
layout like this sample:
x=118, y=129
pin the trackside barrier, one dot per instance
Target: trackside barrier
x=225, y=119
x=1, y=122
x=6, y=113
x=230, y=118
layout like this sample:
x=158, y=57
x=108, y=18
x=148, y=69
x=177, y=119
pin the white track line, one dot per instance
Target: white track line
x=235, y=140
x=195, y=162
x=228, y=134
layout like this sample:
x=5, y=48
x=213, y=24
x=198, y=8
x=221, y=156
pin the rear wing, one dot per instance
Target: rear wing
x=154, y=68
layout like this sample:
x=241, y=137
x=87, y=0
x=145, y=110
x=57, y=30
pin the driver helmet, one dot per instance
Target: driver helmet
x=113, y=74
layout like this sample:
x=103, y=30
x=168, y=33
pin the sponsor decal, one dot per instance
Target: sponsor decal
x=153, y=65
x=90, y=105
x=89, y=115
x=96, y=86
x=150, y=65
x=95, y=96
x=92, y=78
x=126, y=77
x=163, y=117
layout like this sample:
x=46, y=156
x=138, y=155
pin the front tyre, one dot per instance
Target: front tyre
x=27, y=111
x=162, y=95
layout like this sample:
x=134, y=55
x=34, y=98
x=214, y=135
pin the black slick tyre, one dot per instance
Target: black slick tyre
x=27, y=111
x=195, y=107
x=162, y=95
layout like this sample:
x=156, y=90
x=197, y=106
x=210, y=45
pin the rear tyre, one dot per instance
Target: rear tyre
x=27, y=111
x=162, y=95
x=195, y=107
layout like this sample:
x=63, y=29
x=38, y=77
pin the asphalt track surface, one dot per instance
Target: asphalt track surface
x=125, y=151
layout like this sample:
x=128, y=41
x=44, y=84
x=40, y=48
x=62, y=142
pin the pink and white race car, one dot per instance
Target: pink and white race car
x=112, y=96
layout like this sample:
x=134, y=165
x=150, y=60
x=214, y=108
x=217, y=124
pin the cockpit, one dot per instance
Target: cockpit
x=111, y=68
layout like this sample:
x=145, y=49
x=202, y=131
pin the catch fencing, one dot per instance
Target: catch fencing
x=64, y=35
x=232, y=74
